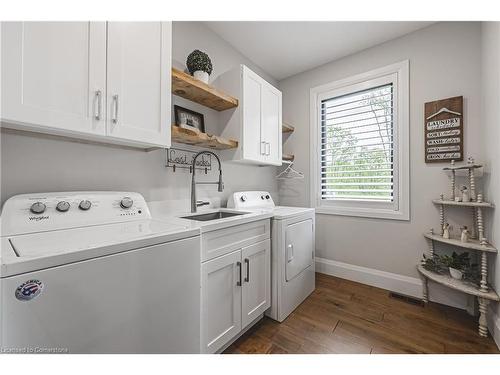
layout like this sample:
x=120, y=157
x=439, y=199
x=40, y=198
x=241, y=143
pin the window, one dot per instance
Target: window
x=359, y=157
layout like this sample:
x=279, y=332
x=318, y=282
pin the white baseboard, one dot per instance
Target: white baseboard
x=494, y=325
x=410, y=286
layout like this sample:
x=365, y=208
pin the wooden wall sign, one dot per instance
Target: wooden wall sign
x=444, y=130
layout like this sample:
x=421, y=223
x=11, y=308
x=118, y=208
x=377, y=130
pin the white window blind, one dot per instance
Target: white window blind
x=357, y=146
x=360, y=144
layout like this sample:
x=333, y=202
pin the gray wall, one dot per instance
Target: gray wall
x=35, y=164
x=491, y=138
x=445, y=61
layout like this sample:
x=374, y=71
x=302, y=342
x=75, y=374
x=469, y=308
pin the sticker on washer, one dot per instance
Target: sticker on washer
x=29, y=290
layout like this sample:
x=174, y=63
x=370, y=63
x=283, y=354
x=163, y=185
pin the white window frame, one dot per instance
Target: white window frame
x=398, y=74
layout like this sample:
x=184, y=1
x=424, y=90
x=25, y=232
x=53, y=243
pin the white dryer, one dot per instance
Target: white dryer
x=292, y=249
x=93, y=272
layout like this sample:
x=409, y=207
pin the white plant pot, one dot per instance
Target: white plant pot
x=201, y=76
x=456, y=274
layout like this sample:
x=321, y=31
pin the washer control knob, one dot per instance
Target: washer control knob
x=243, y=198
x=85, y=205
x=268, y=196
x=62, y=206
x=126, y=202
x=262, y=197
x=38, y=208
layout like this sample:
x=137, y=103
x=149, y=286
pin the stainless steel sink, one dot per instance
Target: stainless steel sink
x=213, y=215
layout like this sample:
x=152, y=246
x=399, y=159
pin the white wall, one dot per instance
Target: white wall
x=34, y=164
x=491, y=137
x=445, y=61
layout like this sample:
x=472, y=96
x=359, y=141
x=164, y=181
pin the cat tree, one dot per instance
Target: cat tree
x=478, y=242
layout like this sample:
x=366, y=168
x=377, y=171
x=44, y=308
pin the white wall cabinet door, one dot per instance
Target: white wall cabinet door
x=220, y=301
x=54, y=76
x=271, y=134
x=261, y=120
x=139, y=82
x=253, y=146
x=256, y=286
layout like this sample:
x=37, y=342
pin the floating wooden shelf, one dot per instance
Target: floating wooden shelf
x=472, y=244
x=285, y=128
x=463, y=204
x=461, y=285
x=197, y=138
x=188, y=87
x=288, y=157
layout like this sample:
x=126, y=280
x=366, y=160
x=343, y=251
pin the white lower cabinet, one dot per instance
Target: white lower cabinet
x=221, y=301
x=235, y=290
x=256, y=288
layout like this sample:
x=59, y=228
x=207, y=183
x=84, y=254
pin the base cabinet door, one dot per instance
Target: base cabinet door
x=256, y=286
x=138, y=79
x=220, y=300
x=54, y=76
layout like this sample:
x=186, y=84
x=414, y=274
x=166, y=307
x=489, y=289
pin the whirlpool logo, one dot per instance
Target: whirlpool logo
x=29, y=290
x=38, y=218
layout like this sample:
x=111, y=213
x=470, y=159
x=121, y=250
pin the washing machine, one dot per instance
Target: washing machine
x=93, y=272
x=292, y=250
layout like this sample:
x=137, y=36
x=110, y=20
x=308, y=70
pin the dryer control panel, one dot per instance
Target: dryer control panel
x=29, y=213
x=250, y=200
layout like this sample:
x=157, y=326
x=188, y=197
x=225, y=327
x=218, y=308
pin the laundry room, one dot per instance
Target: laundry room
x=261, y=186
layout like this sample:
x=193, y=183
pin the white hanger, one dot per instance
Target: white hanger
x=444, y=109
x=289, y=173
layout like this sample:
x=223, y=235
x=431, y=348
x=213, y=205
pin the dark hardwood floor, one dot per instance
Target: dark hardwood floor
x=342, y=316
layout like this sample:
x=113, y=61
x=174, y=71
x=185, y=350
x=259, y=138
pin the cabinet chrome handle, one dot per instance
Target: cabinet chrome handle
x=238, y=264
x=115, y=109
x=268, y=148
x=262, y=148
x=98, y=105
x=247, y=278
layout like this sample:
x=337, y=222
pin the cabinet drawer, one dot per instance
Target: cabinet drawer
x=223, y=241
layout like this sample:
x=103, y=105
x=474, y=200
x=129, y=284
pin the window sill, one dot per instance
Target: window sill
x=368, y=213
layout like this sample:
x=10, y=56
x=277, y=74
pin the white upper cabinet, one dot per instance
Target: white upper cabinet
x=54, y=75
x=256, y=122
x=138, y=81
x=101, y=81
x=253, y=148
x=271, y=133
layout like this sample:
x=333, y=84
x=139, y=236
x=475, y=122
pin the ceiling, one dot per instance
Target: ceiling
x=283, y=49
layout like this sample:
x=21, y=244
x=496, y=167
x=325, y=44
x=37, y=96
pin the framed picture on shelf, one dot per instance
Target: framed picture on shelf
x=186, y=118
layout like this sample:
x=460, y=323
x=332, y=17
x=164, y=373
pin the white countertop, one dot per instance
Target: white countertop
x=48, y=249
x=162, y=210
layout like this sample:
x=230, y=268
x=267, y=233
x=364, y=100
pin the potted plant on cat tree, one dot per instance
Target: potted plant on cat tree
x=456, y=263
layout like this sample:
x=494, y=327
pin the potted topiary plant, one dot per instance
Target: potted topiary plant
x=199, y=65
x=456, y=263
